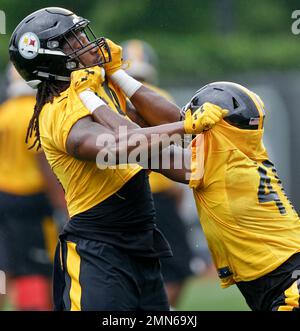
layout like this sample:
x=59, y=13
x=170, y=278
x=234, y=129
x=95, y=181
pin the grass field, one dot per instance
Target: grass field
x=205, y=294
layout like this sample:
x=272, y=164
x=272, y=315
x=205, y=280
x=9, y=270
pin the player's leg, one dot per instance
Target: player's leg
x=175, y=271
x=98, y=276
x=289, y=300
x=174, y=291
x=277, y=290
x=153, y=296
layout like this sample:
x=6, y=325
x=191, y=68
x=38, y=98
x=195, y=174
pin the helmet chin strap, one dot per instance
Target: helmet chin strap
x=34, y=83
x=51, y=76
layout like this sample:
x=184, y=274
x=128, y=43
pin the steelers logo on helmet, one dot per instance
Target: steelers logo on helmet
x=29, y=45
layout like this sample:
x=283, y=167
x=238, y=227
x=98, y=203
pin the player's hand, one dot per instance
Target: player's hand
x=204, y=118
x=116, y=58
x=87, y=79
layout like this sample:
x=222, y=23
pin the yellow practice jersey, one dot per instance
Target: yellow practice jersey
x=250, y=225
x=19, y=169
x=85, y=185
x=158, y=182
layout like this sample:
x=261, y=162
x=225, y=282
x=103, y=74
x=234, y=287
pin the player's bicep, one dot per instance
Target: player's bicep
x=83, y=139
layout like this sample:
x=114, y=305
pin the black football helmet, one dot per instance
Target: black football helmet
x=36, y=44
x=246, y=109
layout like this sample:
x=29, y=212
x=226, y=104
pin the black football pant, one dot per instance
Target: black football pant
x=92, y=275
x=278, y=290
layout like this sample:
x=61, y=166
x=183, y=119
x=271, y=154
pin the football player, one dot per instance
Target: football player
x=166, y=194
x=28, y=193
x=252, y=229
x=110, y=249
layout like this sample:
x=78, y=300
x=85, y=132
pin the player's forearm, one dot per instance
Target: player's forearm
x=175, y=163
x=117, y=150
x=90, y=141
x=111, y=120
x=135, y=117
x=126, y=132
x=155, y=109
x=177, y=175
x=147, y=142
x=119, y=147
x=117, y=137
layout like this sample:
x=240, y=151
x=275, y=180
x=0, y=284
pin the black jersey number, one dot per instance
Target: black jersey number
x=266, y=193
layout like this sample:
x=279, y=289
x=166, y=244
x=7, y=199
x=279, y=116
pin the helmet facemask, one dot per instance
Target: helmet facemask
x=47, y=46
x=192, y=105
x=74, y=62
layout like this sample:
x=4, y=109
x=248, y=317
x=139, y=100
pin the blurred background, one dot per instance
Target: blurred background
x=195, y=42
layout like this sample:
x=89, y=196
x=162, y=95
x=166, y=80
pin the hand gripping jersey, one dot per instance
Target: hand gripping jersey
x=84, y=183
x=250, y=224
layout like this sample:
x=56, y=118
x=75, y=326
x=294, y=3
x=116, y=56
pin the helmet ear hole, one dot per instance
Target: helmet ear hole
x=235, y=103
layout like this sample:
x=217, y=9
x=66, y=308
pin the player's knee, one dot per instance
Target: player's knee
x=32, y=293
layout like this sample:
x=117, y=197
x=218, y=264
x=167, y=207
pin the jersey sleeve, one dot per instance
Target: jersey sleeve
x=197, y=161
x=65, y=118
